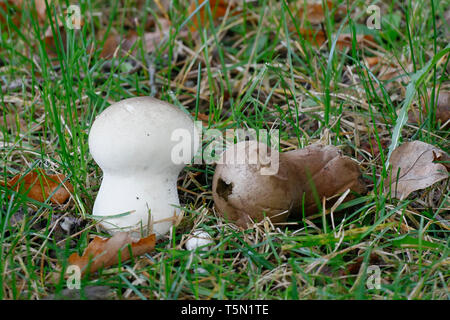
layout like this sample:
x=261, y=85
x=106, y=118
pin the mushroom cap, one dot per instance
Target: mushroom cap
x=136, y=134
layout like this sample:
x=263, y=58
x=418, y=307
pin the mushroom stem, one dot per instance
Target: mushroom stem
x=133, y=196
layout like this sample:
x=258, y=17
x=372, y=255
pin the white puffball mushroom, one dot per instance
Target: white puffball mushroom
x=141, y=144
x=198, y=239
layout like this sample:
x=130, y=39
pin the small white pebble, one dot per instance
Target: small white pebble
x=67, y=223
x=198, y=239
x=200, y=270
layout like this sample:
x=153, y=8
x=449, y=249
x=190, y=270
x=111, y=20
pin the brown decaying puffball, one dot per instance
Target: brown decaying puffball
x=241, y=192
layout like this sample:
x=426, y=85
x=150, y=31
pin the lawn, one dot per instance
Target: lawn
x=317, y=74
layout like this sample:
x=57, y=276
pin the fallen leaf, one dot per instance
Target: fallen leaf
x=39, y=10
x=218, y=10
x=442, y=158
x=413, y=168
x=345, y=40
x=52, y=41
x=354, y=267
x=371, y=61
x=39, y=186
x=392, y=75
x=152, y=39
x=103, y=253
x=442, y=109
x=318, y=38
x=313, y=11
x=372, y=147
x=8, y=7
x=443, y=106
x=117, y=45
x=242, y=193
x=203, y=117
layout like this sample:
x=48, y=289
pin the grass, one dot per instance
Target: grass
x=253, y=70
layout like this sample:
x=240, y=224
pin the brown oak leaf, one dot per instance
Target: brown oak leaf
x=413, y=168
x=39, y=186
x=103, y=253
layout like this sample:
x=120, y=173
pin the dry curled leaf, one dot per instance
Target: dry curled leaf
x=442, y=109
x=371, y=61
x=313, y=11
x=242, y=193
x=153, y=39
x=442, y=158
x=318, y=38
x=218, y=10
x=39, y=186
x=103, y=253
x=117, y=45
x=372, y=146
x=40, y=8
x=20, y=5
x=354, y=267
x=52, y=40
x=345, y=40
x=443, y=106
x=6, y=8
x=122, y=45
x=413, y=168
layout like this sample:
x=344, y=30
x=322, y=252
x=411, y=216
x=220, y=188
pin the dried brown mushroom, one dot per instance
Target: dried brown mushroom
x=242, y=193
